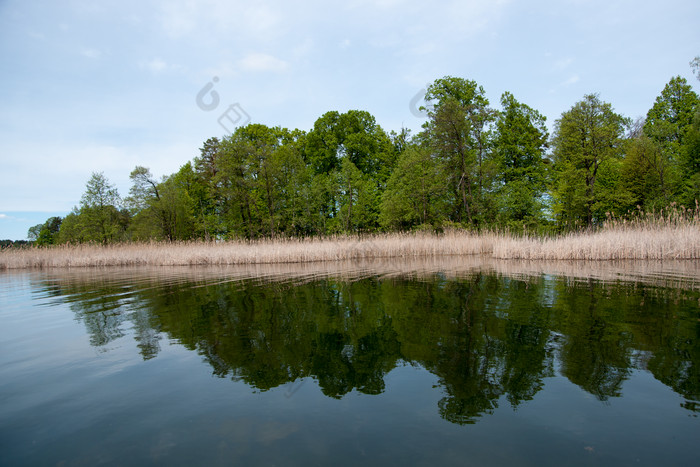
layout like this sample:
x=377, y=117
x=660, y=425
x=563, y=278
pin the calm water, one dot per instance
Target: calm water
x=357, y=366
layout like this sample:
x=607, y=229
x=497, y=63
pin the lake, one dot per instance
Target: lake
x=432, y=362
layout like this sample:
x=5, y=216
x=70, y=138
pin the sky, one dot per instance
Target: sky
x=104, y=86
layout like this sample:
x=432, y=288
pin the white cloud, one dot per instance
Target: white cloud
x=573, y=79
x=90, y=53
x=4, y=216
x=262, y=62
x=156, y=65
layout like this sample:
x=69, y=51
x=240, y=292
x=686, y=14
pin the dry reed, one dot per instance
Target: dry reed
x=672, y=235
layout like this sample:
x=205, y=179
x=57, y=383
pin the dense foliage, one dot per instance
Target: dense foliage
x=472, y=166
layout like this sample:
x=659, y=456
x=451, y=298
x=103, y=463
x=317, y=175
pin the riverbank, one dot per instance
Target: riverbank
x=622, y=242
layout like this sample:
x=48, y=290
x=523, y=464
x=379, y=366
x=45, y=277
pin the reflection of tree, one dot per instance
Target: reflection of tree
x=596, y=353
x=485, y=337
x=672, y=332
x=479, y=349
x=101, y=311
x=147, y=334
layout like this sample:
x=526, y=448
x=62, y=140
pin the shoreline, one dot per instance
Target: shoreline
x=669, y=242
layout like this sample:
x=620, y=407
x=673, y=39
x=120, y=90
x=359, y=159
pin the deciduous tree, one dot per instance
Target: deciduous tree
x=586, y=137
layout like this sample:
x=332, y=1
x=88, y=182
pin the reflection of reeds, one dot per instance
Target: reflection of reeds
x=677, y=275
x=671, y=235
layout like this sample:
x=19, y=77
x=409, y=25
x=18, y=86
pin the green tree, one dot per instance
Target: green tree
x=669, y=123
x=46, y=233
x=357, y=200
x=519, y=143
x=355, y=135
x=670, y=118
x=34, y=231
x=203, y=191
x=262, y=185
x=99, y=217
x=645, y=173
x=586, y=138
x=175, y=206
x=691, y=157
x=459, y=129
x=416, y=192
x=143, y=195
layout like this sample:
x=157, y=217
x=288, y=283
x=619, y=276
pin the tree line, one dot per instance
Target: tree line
x=471, y=166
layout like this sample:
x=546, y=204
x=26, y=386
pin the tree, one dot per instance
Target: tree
x=645, y=173
x=34, y=231
x=143, y=190
x=458, y=128
x=206, y=164
x=519, y=144
x=203, y=191
x=49, y=231
x=46, y=233
x=98, y=219
x=262, y=185
x=586, y=138
x=669, y=124
x=416, y=192
x=669, y=119
x=144, y=194
x=357, y=200
x=355, y=135
x=175, y=206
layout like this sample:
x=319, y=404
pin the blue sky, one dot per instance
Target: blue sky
x=103, y=86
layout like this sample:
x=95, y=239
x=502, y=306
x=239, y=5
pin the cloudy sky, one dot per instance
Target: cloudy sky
x=103, y=86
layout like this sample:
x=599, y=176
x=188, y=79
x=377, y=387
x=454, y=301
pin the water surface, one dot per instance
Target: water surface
x=433, y=363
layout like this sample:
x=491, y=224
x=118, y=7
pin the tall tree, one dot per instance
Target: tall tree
x=586, y=138
x=458, y=127
x=356, y=137
x=174, y=205
x=203, y=190
x=669, y=123
x=99, y=209
x=519, y=143
x=645, y=173
x=99, y=217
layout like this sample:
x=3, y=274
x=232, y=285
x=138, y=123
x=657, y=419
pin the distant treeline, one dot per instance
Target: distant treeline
x=472, y=166
x=15, y=243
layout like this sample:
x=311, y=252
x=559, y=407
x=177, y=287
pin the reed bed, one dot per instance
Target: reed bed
x=674, y=235
x=242, y=252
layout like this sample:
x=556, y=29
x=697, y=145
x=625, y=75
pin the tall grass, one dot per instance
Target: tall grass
x=674, y=234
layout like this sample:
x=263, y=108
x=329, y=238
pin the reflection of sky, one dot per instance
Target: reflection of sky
x=107, y=86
